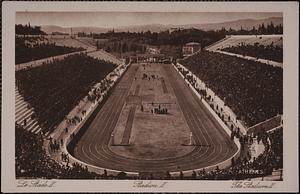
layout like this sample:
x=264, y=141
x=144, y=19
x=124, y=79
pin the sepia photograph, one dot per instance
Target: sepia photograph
x=151, y=99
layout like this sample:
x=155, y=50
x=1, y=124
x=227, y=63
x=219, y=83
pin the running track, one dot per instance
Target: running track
x=214, y=144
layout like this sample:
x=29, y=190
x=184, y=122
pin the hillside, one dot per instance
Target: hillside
x=52, y=28
x=235, y=25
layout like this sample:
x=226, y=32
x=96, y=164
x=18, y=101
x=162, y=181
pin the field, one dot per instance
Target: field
x=126, y=135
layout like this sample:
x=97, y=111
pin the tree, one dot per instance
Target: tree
x=270, y=28
x=253, y=31
x=280, y=31
x=28, y=30
x=231, y=31
x=223, y=30
x=263, y=29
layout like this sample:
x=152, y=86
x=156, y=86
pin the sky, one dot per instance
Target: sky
x=117, y=19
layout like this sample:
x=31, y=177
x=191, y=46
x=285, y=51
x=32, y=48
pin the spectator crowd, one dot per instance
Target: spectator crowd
x=271, y=159
x=55, y=88
x=35, y=48
x=254, y=91
x=31, y=160
x=269, y=52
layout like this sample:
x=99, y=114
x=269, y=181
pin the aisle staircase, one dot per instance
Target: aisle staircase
x=25, y=113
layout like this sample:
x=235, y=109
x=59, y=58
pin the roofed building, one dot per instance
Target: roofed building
x=190, y=48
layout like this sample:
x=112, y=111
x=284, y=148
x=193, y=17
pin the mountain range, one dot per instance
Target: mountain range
x=246, y=24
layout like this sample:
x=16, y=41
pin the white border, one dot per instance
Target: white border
x=290, y=115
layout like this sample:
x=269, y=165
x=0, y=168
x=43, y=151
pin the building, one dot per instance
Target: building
x=190, y=48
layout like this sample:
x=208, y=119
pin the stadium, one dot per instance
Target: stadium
x=179, y=104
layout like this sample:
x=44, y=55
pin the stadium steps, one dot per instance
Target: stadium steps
x=216, y=43
x=20, y=117
x=86, y=43
x=34, y=127
x=101, y=54
x=47, y=134
x=30, y=125
x=235, y=40
x=18, y=97
x=24, y=114
x=39, y=130
x=20, y=107
x=20, y=104
x=24, y=111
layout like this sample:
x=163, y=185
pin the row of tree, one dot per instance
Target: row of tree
x=262, y=29
x=28, y=30
x=182, y=36
x=121, y=46
x=175, y=38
